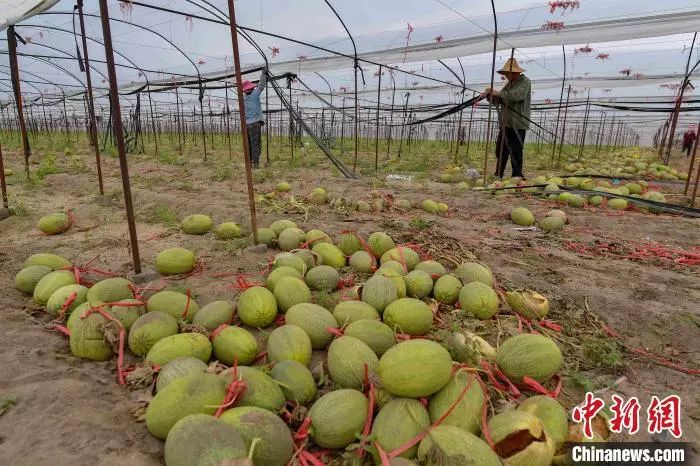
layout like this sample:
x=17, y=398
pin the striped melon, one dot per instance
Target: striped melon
x=379, y=292
x=349, y=311
x=314, y=320
x=350, y=406
x=349, y=360
x=289, y=342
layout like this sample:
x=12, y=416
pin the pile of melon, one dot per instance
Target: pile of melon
x=293, y=374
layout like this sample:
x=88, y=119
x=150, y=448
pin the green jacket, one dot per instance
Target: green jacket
x=514, y=100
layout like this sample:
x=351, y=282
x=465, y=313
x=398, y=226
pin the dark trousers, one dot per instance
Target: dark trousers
x=510, y=145
x=687, y=147
x=255, y=141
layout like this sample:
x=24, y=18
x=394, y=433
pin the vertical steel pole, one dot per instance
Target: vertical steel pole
x=561, y=98
x=563, y=127
x=119, y=134
x=692, y=162
x=493, y=75
x=376, y=139
x=357, y=121
x=679, y=102
x=241, y=111
x=90, y=102
x=3, y=185
x=14, y=74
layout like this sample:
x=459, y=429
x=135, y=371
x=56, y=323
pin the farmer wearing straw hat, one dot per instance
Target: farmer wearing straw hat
x=514, y=117
x=254, y=118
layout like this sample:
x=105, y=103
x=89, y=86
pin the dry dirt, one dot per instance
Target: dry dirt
x=72, y=412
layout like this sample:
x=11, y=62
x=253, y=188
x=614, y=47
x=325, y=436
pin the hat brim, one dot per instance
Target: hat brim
x=504, y=71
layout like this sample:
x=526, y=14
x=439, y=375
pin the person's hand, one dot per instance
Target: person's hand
x=494, y=93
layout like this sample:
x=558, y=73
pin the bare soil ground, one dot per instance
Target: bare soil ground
x=73, y=412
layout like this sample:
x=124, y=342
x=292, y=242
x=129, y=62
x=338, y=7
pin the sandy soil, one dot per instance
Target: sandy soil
x=73, y=412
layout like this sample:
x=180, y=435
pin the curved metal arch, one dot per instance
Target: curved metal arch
x=51, y=83
x=138, y=26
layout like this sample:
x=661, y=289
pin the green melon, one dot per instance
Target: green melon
x=175, y=261
x=87, y=339
x=537, y=449
x=110, y=290
x=261, y=390
x=527, y=354
x=451, y=445
x=331, y=255
x=379, y=243
x=446, y=289
x=398, y=422
x=552, y=223
x=419, y=284
x=443, y=208
x=553, y=416
x=54, y=224
x=295, y=380
x=433, y=268
x=522, y=216
x=77, y=313
x=201, y=439
x=49, y=283
x=409, y=316
x=310, y=258
x=290, y=238
x=634, y=188
x=234, y=345
x=288, y=259
x=474, y=272
x=177, y=368
x=317, y=236
x=52, y=261
x=362, y=262
x=272, y=440
x=394, y=266
x=318, y=196
x=195, y=345
x=575, y=200
x=149, y=329
x=347, y=359
x=396, y=278
x=279, y=272
x=363, y=206
x=289, y=342
x=350, y=406
x=283, y=187
x=617, y=204
x=213, y=314
x=323, y=278
x=479, y=299
x=563, y=197
x=78, y=293
x=430, y=206
x=278, y=226
x=415, y=368
x=290, y=291
x=191, y=394
x=346, y=312
x=314, y=320
x=403, y=255
x=349, y=243
x=228, y=230
x=257, y=307
x=27, y=278
x=379, y=292
x=266, y=236
x=403, y=204
x=196, y=224
x=174, y=303
x=529, y=304
x=466, y=413
x=378, y=336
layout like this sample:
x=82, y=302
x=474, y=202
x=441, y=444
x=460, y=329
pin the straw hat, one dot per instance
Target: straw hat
x=511, y=66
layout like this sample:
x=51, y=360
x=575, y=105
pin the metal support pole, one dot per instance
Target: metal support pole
x=357, y=120
x=679, y=102
x=561, y=97
x=584, y=125
x=14, y=74
x=3, y=185
x=119, y=133
x=692, y=162
x=241, y=111
x=90, y=100
x=493, y=73
x=563, y=127
x=376, y=139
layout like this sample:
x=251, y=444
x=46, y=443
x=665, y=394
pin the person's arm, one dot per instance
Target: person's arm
x=263, y=81
x=516, y=93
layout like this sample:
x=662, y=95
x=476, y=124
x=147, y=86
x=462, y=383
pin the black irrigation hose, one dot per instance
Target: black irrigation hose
x=339, y=165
